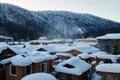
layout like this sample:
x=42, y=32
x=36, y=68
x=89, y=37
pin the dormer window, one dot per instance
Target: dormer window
x=41, y=49
x=68, y=66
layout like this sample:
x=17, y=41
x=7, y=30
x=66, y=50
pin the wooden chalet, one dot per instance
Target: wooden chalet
x=5, y=38
x=109, y=71
x=73, y=69
x=110, y=43
x=5, y=52
x=61, y=57
x=23, y=64
x=103, y=56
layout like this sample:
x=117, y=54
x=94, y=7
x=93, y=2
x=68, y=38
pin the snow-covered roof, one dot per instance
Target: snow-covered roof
x=5, y=37
x=59, y=48
x=17, y=49
x=87, y=49
x=5, y=61
x=78, y=66
x=65, y=54
x=27, y=59
x=29, y=48
x=83, y=43
x=21, y=60
x=94, y=62
x=114, y=68
x=39, y=76
x=84, y=56
x=110, y=36
x=3, y=47
x=44, y=40
x=104, y=56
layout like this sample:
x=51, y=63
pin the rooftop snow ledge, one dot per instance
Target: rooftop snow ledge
x=110, y=36
x=114, y=68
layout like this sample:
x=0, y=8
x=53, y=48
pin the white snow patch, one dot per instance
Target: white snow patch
x=39, y=76
x=110, y=36
x=114, y=68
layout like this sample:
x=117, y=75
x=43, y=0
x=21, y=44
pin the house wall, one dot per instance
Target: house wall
x=20, y=73
x=49, y=66
x=36, y=67
x=74, y=52
x=103, y=43
x=2, y=56
x=2, y=75
x=110, y=76
x=65, y=76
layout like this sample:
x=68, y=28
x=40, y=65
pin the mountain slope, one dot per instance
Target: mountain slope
x=20, y=23
x=71, y=24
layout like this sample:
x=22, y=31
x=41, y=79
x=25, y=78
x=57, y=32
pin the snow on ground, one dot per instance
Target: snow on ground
x=39, y=76
x=96, y=76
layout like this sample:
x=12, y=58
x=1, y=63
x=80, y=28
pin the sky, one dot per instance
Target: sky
x=109, y=9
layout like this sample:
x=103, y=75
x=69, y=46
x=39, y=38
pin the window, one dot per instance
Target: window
x=107, y=48
x=68, y=66
x=13, y=70
x=2, y=67
x=43, y=67
x=28, y=70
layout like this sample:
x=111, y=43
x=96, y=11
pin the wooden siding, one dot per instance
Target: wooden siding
x=19, y=74
x=2, y=75
x=21, y=71
x=65, y=76
x=112, y=76
x=111, y=44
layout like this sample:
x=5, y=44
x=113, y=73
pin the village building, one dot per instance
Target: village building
x=73, y=69
x=61, y=57
x=103, y=56
x=23, y=64
x=88, y=40
x=109, y=71
x=46, y=41
x=5, y=52
x=5, y=39
x=74, y=50
x=53, y=49
x=110, y=43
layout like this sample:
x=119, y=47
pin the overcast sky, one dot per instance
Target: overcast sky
x=109, y=9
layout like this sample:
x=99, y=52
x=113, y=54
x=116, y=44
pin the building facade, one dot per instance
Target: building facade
x=109, y=43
